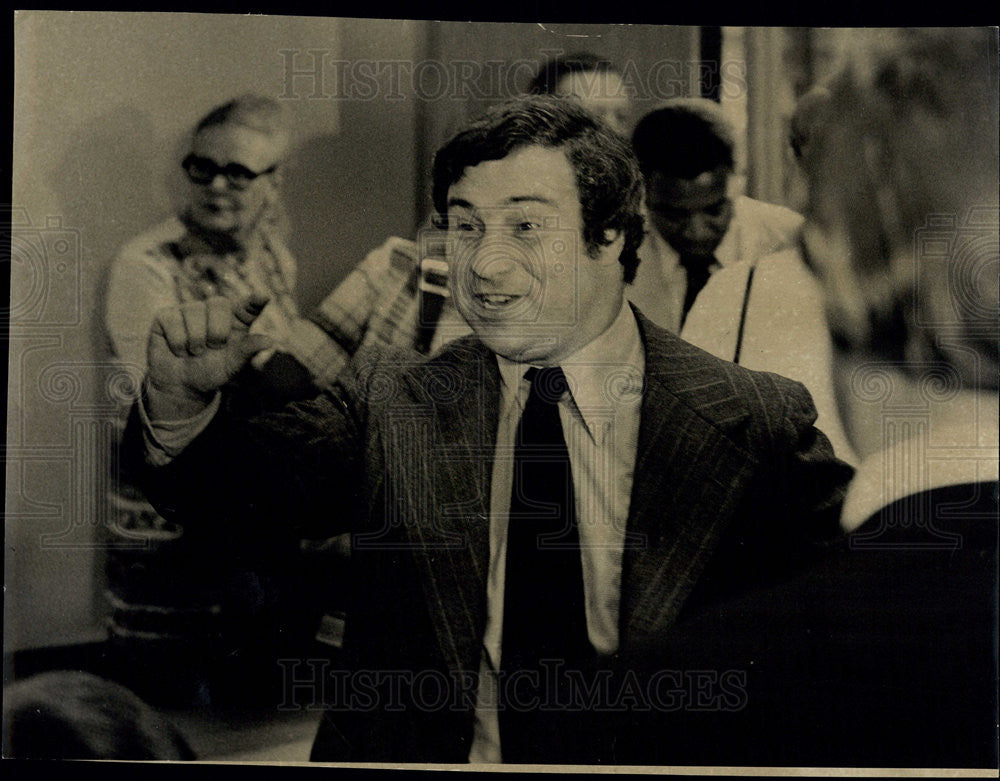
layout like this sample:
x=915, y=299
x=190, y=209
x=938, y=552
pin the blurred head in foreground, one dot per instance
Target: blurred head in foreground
x=901, y=224
x=76, y=715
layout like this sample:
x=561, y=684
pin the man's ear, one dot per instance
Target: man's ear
x=611, y=249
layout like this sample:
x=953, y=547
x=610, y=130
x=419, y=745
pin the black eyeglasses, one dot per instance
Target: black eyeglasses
x=202, y=170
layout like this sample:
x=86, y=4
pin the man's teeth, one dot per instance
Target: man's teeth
x=495, y=299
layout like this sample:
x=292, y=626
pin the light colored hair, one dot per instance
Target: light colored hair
x=257, y=112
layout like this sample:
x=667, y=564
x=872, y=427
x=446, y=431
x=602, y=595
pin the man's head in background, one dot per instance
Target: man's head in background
x=685, y=150
x=590, y=80
x=901, y=225
x=804, y=127
x=543, y=207
x=233, y=165
x=806, y=124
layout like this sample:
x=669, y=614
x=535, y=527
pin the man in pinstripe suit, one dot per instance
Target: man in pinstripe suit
x=690, y=477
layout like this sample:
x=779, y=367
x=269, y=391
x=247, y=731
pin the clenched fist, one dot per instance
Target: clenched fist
x=194, y=349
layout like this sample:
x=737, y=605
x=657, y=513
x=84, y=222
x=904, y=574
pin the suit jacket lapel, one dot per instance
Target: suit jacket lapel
x=689, y=475
x=448, y=487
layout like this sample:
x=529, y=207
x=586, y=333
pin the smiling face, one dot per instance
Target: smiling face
x=217, y=205
x=519, y=272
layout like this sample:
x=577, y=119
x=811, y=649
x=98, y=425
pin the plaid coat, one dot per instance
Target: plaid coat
x=377, y=304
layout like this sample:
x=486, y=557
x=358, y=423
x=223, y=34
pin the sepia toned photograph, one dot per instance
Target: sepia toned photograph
x=519, y=396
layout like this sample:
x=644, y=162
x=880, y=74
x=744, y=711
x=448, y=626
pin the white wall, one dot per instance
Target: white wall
x=103, y=104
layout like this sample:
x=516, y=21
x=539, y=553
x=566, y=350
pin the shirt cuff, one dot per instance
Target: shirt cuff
x=165, y=439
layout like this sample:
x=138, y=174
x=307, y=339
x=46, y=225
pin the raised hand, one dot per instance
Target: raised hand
x=194, y=349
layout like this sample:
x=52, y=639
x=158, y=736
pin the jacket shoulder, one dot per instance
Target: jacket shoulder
x=718, y=389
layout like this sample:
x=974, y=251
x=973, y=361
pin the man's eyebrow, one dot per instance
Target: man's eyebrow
x=464, y=204
x=531, y=199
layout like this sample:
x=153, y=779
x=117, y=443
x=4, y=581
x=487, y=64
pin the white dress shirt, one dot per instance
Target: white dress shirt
x=957, y=444
x=600, y=421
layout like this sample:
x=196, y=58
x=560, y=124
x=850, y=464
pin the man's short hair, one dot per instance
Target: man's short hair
x=546, y=81
x=257, y=112
x=683, y=139
x=607, y=174
x=908, y=173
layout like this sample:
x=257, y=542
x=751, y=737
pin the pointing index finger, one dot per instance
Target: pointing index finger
x=247, y=310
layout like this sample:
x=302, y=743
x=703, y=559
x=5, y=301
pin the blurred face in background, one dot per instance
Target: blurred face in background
x=602, y=93
x=232, y=171
x=691, y=215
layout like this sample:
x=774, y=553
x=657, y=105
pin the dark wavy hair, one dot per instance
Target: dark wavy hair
x=607, y=172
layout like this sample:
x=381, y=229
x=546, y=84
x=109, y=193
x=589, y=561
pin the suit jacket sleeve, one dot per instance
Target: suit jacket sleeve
x=809, y=480
x=790, y=511
x=295, y=470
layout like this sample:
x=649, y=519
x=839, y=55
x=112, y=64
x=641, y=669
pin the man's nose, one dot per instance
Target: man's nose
x=219, y=183
x=699, y=227
x=493, y=259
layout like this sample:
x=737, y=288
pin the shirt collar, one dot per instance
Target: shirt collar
x=725, y=254
x=961, y=449
x=603, y=375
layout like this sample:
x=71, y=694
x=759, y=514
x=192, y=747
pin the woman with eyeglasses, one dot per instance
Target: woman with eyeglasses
x=170, y=596
x=225, y=240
